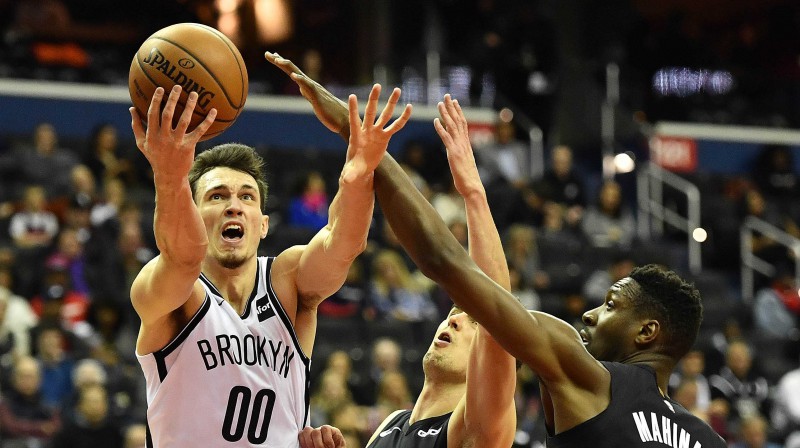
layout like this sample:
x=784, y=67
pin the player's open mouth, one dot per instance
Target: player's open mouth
x=443, y=339
x=584, y=337
x=232, y=232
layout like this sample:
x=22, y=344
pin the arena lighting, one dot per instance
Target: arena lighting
x=685, y=81
x=273, y=20
x=624, y=163
x=506, y=115
x=228, y=20
x=699, y=234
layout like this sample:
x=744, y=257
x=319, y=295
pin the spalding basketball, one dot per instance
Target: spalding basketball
x=200, y=59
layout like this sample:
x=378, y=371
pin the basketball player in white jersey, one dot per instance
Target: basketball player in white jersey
x=468, y=395
x=226, y=336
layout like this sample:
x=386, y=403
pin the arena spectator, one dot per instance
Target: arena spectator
x=25, y=420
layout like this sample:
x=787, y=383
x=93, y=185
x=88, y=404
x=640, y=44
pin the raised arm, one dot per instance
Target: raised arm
x=551, y=347
x=168, y=281
x=331, y=111
x=486, y=415
x=539, y=340
x=325, y=261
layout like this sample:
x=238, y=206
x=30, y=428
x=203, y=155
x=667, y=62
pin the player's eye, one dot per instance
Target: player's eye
x=609, y=304
x=247, y=197
x=216, y=197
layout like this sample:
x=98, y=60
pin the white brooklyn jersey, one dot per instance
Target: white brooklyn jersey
x=228, y=380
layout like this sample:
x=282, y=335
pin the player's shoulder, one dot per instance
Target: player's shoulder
x=390, y=421
x=288, y=259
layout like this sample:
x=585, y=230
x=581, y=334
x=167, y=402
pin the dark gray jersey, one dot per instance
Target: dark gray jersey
x=427, y=433
x=638, y=416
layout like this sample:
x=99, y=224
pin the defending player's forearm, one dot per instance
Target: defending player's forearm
x=417, y=225
x=435, y=250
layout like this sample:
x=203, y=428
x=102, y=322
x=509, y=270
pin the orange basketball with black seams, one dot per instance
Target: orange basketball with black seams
x=200, y=59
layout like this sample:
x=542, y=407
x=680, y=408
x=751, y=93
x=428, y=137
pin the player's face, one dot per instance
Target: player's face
x=611, y=328
x=451, y=344
x=230, y=206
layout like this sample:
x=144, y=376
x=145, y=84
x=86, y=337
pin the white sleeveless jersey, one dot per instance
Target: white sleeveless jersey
x=228, y=380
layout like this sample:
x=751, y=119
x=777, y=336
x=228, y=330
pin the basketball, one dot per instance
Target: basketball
x=200, y=59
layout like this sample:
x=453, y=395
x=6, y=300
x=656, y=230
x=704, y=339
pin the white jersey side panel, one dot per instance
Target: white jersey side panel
x=228, y=380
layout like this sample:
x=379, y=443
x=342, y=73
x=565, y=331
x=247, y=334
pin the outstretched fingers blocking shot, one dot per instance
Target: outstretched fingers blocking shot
x=331, y=111
x=454, y=132
x=370, y=138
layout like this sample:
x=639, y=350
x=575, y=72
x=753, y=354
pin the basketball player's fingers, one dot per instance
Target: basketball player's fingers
x=355, y=120
x=447, y=139
x=444, y=114
x=328, y=434
x=186, y=116
x=449, y=104
x=372, y=105
x=138, y=128
x=304, y=437
x=388, y=110
x=169, y=108
x=447, y=120
x=316, y=437
x=155, y=108
x=401, y=120
x=203, y=126
x=338, y=439
x=459, y=110
x=282, y=63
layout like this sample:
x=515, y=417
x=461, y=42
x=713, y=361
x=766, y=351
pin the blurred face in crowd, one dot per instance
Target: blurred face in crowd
x=562, y=160
x=739, y=359
x=94, y=404
x=610, y=197
x=35, y=199
x=51, y=345
x=106, y=139
x=44, y=138
x=386, y=355
x=693, y=363
x=27, y=376
x=339, y=362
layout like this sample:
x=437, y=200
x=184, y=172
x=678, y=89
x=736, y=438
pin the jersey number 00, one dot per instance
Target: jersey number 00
x=239, y=402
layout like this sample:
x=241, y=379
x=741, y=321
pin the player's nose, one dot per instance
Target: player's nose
x=456, y=320
x=589, y=318
x=234, y=207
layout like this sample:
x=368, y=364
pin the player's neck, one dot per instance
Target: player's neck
x=437, y=398
x=661, y=364
x=235, y=285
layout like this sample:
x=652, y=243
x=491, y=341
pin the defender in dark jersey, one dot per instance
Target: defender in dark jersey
x=209, y=220
x=603, y=387
x=455, y=407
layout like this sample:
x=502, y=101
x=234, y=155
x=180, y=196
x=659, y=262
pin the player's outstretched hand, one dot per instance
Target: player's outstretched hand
x=453, y=130
x=323, y=437
x=331, y=111
x=370, y=138
x=169, y=150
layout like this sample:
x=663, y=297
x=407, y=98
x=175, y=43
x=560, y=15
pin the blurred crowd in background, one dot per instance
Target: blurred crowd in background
x=76, y=213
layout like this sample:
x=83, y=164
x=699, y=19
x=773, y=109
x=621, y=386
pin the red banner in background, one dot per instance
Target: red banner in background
x=676, y=154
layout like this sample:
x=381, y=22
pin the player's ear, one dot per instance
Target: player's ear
x=648, y=332
x=264, y=226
